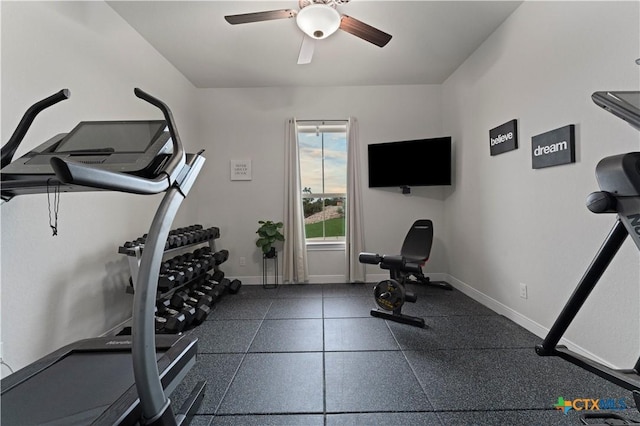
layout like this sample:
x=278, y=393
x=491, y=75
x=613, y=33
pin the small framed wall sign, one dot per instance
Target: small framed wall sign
x=241, y=169
x=504, y=138
x=554, y=147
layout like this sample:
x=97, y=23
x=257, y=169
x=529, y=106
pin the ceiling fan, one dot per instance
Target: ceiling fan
x=318, y=19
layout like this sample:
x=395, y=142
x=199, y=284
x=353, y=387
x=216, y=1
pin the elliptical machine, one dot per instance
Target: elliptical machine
x=619, y=180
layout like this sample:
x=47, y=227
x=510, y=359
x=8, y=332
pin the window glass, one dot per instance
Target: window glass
x=323, y=175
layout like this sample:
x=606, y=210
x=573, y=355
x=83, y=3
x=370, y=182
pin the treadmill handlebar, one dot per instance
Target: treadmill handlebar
x=9, y=149
x=70, y=172
x=177, y=160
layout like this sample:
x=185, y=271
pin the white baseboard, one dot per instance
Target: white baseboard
x=515, y=316
x=496, y=306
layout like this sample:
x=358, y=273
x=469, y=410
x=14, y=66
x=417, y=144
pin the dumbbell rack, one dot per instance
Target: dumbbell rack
x=175, y=243
x=179, y=240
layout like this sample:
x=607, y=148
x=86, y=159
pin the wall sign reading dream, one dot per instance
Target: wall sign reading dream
x=503, y=138
x=553, y=148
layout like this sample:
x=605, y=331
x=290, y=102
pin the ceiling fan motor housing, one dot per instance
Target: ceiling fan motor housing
x=318, y=20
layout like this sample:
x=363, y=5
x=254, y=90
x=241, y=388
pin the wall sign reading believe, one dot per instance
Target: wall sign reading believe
x=503, y=138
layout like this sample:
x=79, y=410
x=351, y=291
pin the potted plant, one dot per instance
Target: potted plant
x=269, y=233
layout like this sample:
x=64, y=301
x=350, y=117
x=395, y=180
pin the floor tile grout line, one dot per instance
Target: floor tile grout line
x=244, y=356
x=324, y=301
x=413, y=371
x=324, y=371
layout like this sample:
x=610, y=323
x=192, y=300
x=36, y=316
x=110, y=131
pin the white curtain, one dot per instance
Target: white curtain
x=295, y=265
x=355, y=234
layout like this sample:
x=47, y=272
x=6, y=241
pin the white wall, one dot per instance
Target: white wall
x=250, y=123
x=56, y=290
x=509, y=224
x=499, y=225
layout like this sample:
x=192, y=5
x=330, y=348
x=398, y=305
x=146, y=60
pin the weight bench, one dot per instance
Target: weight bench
x=416, y=248
x=391, y=294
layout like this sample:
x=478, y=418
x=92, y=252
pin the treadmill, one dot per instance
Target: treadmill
x=119, y=380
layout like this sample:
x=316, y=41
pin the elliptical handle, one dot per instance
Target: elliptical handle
x=177, y=160
x=9, y=149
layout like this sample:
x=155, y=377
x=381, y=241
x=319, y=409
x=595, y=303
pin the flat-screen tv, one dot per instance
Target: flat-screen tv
x=421, y=162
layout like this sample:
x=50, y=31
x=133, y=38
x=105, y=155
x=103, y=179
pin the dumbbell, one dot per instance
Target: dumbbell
x=217, y=276
x=169, y=319
x=213, y=233
x=201, y=297
x=185, y=315
x=194, y=263
x=196, y=310
x=202, y=251
x=233, y=286
x=203, y=309
x=168, y=265
x=213, y=289
x=207, y=263
x=180, y=298
x=176, y=239
x=187, y=270
x=207, y=259
x=170, y=279
x=221, y=256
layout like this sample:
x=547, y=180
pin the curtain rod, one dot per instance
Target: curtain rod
x=318, y=121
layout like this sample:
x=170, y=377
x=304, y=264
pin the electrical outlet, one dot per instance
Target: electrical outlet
x=523, y=290
x=243, y=261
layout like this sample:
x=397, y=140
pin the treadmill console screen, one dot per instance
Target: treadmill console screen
x=113, y=136
x=137, y=147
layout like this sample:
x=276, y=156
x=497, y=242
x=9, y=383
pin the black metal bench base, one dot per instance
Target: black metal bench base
x=404, y=319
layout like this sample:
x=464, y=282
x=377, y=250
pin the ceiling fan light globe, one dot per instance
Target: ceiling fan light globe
x=318, y=20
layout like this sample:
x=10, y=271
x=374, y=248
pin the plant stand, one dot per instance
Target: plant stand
x=265, y=264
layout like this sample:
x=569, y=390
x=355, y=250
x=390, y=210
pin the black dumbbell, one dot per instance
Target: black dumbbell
x=201, y=251
x=170, y=279
x=213, y=233
x=233, y=286
x=213, y=289
x=171, y=320
x=206, y=262
x=217, y=276
x=189, y=313
x=178, y=299
x=198, y=269
x=181, y=298
x=201, y=298
x=221, y=256
x=189, y=273
x=200, y=312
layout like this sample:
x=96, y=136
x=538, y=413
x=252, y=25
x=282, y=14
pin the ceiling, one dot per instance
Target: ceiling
x=430, y=40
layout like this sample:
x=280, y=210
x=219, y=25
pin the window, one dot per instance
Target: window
x=323, y=176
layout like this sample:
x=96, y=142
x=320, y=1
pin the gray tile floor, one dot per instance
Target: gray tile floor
x=313, y=355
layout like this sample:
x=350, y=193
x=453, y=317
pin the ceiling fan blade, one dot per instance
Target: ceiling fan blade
x=364, y=31
x=269, y=15
x=306, y=50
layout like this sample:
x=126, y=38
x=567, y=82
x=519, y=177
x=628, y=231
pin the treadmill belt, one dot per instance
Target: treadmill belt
x=74, y=390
